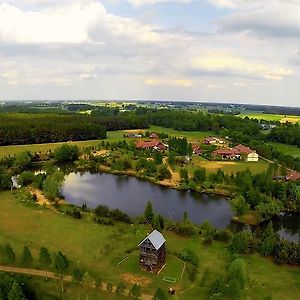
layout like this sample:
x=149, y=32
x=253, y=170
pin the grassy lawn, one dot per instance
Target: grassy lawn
x=271, y=117
x=99, y=248
x=287, y=149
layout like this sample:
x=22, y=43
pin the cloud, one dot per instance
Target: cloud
x=223, y=3
x=273, y=18
x=70, y=25
x=169, y=82
x=218, y=61
x=93, y=48
x=139, y=3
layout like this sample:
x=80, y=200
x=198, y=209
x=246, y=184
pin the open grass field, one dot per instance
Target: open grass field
x=98, y=249
x=287, y=149
x=12, y=150
x=271, y=117
x=229, y=167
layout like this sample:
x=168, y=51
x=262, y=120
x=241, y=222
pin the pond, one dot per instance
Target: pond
x=130, y=195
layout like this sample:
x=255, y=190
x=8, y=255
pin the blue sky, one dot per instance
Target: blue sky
x=189, y=50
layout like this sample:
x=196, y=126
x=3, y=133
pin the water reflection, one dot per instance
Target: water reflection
x=131, y=195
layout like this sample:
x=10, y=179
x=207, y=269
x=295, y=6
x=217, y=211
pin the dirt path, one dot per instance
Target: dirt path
x=175, y=180
x=52, y=275
x=33, y=272
x=41, y=199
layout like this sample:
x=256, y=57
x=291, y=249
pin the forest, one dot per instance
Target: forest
x=30, y=128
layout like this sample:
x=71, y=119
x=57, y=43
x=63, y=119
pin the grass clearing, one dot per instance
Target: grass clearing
x=287, y=149
x=98, y=248
x=229, y=167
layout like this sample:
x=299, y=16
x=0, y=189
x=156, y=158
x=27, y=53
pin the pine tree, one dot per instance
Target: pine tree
x=9, y=254
x=160, y=295
x=185, y=218
x=45, y=258
x=135, y=292
x=148, y=213
x=15, y=292
x=61, y=265
x=26, y=257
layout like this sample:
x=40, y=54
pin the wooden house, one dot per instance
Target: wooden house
x=153, y=252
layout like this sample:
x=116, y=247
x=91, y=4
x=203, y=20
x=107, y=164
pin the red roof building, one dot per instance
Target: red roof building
x=153, y=144
x=243, y=149
x=292, y=176
x=210, y=141
x=196, y=150
x=227, y=153
x=153, y=135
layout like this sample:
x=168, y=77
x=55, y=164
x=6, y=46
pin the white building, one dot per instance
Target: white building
x=252, y=157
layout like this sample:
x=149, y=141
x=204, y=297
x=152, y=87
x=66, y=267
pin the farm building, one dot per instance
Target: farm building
x=236, y=153
x=292, y=176
x=250, y=155
x=153, y=135
x=227, y=154
x=132, y=135
x=153, y=252
x=213, y=141
x=153, y=144
x=196, y=150
x=253, y=156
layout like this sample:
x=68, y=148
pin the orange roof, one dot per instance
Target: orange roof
x=294, y=176
x=148, y=144
x=231, y=152
x=243, y=149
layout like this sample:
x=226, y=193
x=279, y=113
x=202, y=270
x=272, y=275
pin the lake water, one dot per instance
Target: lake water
x=130, y=195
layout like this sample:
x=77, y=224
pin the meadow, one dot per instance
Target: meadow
x=270, y=117
x=287, y=149
x=15, y=149
x=229, y=167
x=98, y=249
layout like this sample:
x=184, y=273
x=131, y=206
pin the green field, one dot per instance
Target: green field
x=12, y=150
x=287, y=149
x=98, y=248
x=270, y=117
x=229, y=167
x=112, y=136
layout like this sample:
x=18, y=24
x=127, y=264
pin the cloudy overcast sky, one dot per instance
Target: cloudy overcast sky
x=244, y=51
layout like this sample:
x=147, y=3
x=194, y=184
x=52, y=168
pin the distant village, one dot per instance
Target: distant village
x=220, y=152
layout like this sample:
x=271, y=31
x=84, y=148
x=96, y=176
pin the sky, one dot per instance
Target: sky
x=237, y=51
